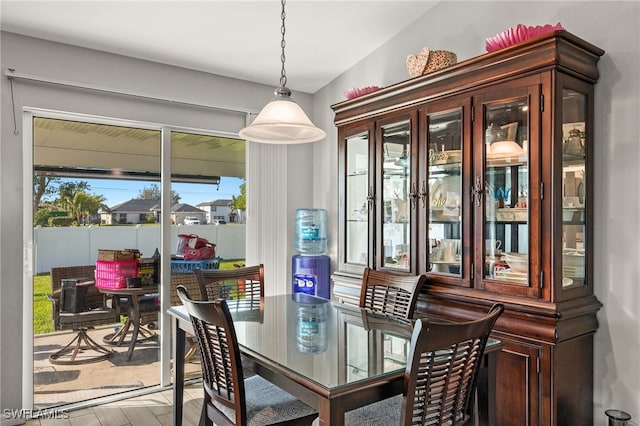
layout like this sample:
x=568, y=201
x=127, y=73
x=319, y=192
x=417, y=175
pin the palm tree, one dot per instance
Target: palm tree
x=68, y=191
x=86, y=206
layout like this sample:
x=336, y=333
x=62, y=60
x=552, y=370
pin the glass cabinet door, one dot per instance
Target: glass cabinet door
x=506, y=191
x=358, y=200
x=444, y=139
x=396, y=196
x=574, y=180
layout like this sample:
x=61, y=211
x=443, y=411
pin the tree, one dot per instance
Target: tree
x=43, y=187
x=86, y=206
x=42, y=215
x=152, y=192
x=75, y=198
x=240, y=202
x=67, y=192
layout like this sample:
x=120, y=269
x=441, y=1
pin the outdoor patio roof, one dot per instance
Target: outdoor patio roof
x=106, y=151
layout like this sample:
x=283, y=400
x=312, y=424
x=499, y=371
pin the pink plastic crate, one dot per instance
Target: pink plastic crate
x=113, y=274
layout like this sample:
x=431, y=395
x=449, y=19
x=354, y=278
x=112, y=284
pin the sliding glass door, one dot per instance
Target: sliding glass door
x=91, y=182
x=98, y=189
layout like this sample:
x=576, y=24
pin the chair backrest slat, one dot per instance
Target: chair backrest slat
x=220, y=357
x=390, y=294
x=242, y=288
x=443, y=365
x=188, y=281
x=239, y=283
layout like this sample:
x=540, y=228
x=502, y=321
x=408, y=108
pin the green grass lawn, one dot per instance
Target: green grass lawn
x=42, y=317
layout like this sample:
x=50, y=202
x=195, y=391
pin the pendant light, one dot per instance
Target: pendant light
x=282, y=121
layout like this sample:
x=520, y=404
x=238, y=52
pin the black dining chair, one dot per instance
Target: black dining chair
x=390, y=294
x=229, y=398
x=440, y=377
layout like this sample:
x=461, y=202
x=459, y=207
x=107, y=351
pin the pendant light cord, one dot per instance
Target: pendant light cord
x=283, y=73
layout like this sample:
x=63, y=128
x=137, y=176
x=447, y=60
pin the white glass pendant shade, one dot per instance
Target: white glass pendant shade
x=282, y=121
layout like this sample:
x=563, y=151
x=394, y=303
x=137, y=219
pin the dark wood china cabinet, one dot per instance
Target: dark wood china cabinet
x=481, y=176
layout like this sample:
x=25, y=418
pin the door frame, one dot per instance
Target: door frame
x=29, y=249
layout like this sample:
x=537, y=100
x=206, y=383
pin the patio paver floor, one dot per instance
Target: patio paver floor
x=56, y=385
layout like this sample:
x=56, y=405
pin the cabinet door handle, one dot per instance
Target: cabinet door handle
x=423, y=193
x=370, y=198
x=477, y=192
x=414, y=195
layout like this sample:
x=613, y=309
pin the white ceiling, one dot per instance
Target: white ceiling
x=238, y=38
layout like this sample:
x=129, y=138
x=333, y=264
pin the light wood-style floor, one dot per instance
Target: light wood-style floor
x=147, y=410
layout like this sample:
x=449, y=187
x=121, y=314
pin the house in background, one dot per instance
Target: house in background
x=132, y=211
x=148, y=211
x=180, y=211
x=219, y=210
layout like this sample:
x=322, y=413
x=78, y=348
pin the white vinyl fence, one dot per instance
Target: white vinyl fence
x=78, y=245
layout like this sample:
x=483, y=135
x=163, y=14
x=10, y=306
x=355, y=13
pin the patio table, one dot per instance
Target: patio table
x=139, y=333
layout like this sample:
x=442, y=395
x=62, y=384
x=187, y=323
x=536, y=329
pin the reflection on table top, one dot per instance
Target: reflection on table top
x=327, y=343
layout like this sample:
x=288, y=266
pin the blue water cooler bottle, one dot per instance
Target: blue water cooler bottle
x=311, y=231
x=311, y=268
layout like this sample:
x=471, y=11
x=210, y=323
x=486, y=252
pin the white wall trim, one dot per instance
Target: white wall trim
x=12, y=74
x=28, y=260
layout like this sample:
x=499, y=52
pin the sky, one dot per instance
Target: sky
x=118, y=191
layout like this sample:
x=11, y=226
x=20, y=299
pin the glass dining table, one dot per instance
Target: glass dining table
x=333, y=356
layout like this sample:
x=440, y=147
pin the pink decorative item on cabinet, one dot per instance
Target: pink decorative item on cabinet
x=355, y=92
x=519, y=34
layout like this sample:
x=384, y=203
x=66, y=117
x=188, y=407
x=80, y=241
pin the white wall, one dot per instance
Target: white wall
x=613, y=26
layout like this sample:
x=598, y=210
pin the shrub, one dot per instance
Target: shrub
x=61, y=221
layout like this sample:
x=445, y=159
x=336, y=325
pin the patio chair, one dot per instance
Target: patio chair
x=190, y=282
x=241, y=287
x=238, y=283
x=440, y=377
x=81, y=315
x=93, y=296
x=229, y=398
x=390, y=294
